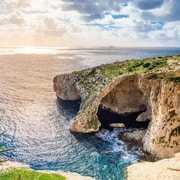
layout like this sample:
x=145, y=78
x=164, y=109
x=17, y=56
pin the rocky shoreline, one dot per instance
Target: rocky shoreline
x=166, y=169
x=148, y=88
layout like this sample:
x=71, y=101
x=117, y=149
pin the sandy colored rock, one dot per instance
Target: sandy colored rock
x=166, y=169
x=117, y=125
x=151, y=86
x=74, y=176
x=163, y=134
x=65, y=91
x=7, y=165
x=126, y=97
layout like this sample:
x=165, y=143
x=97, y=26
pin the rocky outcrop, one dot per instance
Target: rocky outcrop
x=163, y=134
x=7, y=165
x=151, y=86
x=132, y=136
x=65, y=89
x=166, y=169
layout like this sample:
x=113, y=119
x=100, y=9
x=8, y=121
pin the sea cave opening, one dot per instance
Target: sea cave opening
x=125, y=106
x=110, y=120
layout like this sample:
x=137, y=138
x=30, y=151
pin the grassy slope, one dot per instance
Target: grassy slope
x=91, y=79
x=23, y=174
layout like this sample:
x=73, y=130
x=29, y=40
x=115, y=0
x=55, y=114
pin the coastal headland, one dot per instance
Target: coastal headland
x=134, y=93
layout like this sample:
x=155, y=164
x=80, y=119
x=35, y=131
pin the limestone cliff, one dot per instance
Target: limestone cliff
x=150, y=85
x=166, y=169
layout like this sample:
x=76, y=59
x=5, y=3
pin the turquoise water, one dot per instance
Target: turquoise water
x=36, y=123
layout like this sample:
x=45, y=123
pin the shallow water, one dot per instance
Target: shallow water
x=36, y=123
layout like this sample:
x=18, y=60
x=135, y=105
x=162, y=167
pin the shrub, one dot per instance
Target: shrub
x=172, y=78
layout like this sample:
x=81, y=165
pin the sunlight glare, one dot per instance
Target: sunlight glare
x=37, y=50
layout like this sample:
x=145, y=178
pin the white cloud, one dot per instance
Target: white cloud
x=16, y=4
x=87, y=22
x=169, y=31
x=49, y=26
x=15, y=18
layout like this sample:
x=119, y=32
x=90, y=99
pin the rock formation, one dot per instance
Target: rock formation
x=166, y=169
x=151, y=86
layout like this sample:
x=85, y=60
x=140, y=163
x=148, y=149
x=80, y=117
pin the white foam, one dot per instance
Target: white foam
x=116, y=145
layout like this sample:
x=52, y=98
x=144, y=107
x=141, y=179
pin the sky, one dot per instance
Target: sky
x=90, y=23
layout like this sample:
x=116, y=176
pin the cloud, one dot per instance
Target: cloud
x=169, y=11
x=91, y=22
x=162, y=10
x=16, y=4
x=148, y=4
x=15, y=18
x=169, y=31
x=35, y=11
x=92, y=10
x=148, y=26
x=174, y=14
x=48, y=26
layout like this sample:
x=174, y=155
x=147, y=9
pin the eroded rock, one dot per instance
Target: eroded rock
x=166, y=169
x=132, y=136
x=150, y=85
x=64, y=88
x=117, y=125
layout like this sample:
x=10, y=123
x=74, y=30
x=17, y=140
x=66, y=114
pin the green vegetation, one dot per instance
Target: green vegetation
x=22, y=174
x=172, y=78
x=143, y=66
x=114, y=69
x=147, y=66
x=92, y=73
x=93, y=123
x=2, y=145
x=158, y=140
x=93, y=80
x=134, y=66
x=175, y=132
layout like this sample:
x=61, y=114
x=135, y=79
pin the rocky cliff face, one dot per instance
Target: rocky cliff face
x=163, y=134
x=151, y=86
x=166, y=169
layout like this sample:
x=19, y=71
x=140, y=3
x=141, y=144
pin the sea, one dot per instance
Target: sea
x=36, y=124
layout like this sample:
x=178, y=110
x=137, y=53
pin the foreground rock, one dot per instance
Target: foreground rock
x=166, y=169
x=8, y=165
x=150, y=86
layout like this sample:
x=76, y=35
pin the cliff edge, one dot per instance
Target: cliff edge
x=166, y=169
x=150, y=88
x=6, y=166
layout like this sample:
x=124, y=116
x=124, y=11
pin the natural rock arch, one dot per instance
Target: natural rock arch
x=157, y=92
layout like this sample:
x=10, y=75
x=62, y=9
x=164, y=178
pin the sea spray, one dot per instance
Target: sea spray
x=117, y=146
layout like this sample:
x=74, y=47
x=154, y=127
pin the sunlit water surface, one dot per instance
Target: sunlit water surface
x=36, y=123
